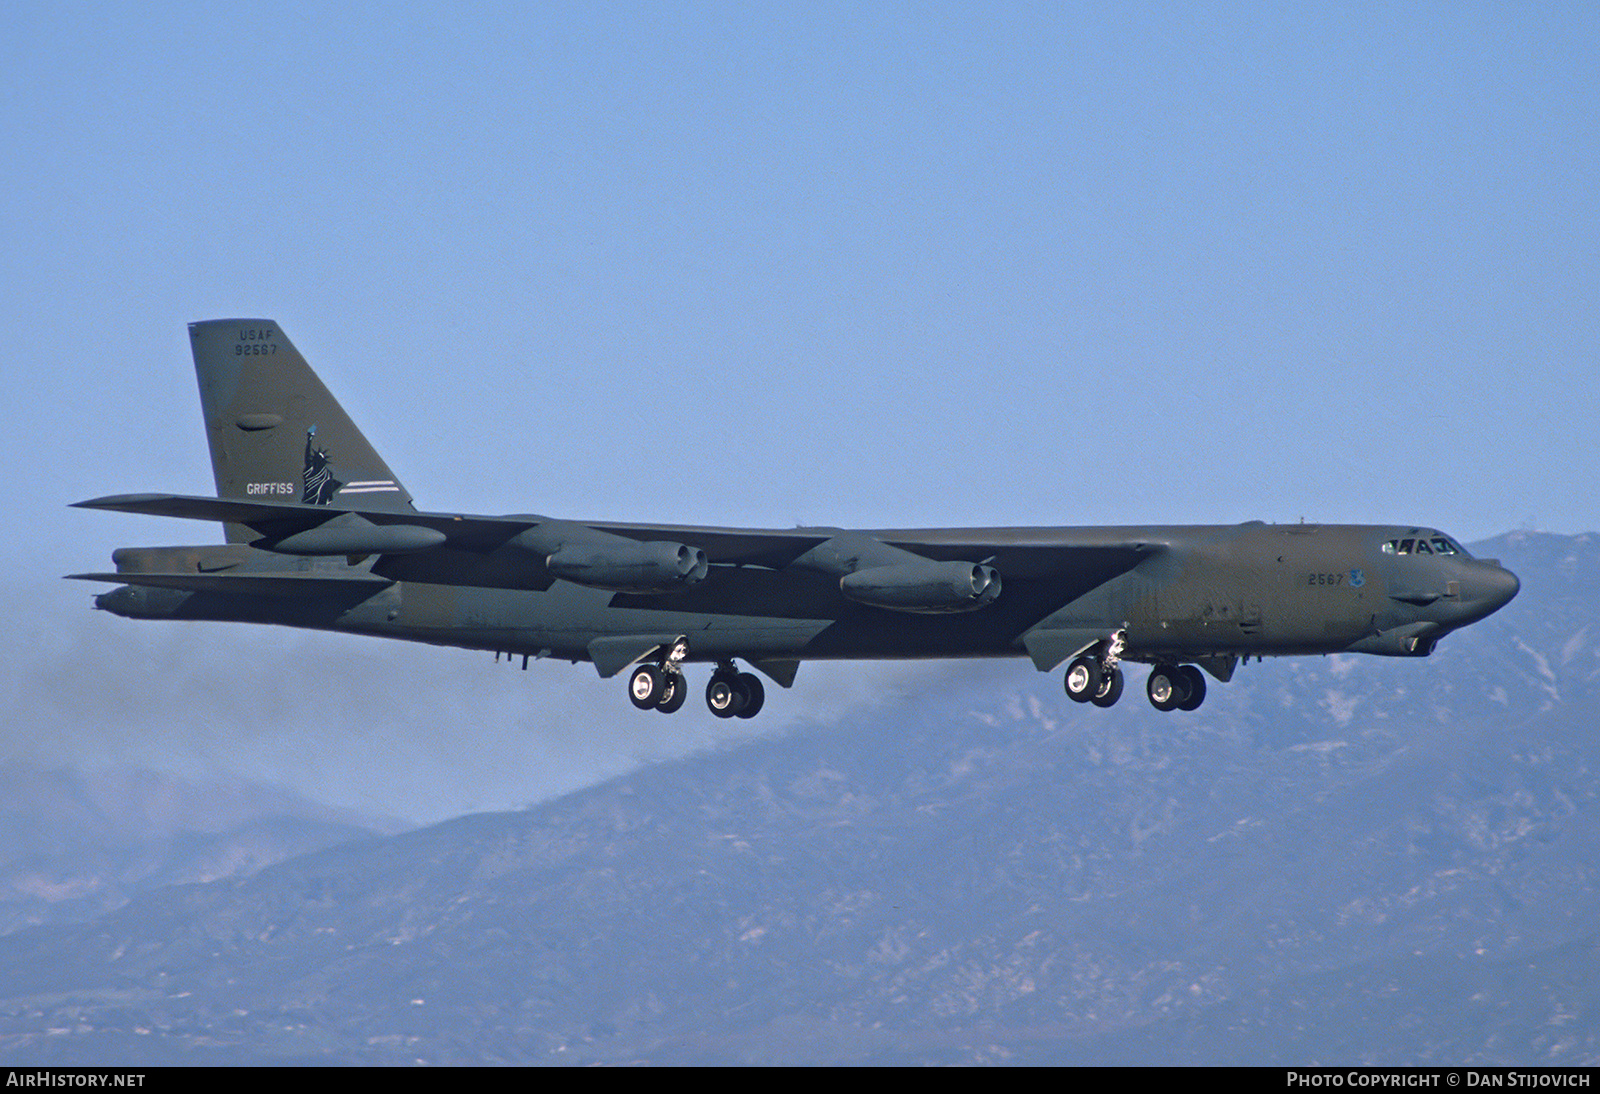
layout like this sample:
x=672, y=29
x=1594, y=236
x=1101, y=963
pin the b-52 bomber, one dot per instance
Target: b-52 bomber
x=321, y=534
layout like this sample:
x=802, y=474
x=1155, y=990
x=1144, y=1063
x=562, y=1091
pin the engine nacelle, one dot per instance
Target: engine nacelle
x=629, y=567
x=929, y=587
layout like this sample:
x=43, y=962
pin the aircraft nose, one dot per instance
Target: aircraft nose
x=1492, y=588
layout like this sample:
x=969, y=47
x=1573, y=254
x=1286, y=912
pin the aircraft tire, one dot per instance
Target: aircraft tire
x=1082, y=680
x=724, y=697
x=677, y=690
x=1110, y=689
x=646, y=686
x=755, y=695
x=1165, y=687
x=1196, y=683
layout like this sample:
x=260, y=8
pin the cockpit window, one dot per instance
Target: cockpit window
x=1425, y=545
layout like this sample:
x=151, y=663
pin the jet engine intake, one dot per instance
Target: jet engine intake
x=927, y=587
x=630, y=567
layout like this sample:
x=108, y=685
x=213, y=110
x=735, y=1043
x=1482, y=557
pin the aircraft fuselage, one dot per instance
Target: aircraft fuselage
x=321, y=534
x=1241, y=590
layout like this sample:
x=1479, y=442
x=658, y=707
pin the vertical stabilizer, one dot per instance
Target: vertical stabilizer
x=275, y=432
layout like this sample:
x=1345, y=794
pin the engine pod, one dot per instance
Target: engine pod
x=928, y=587
x=627, y=566
x=352, y=534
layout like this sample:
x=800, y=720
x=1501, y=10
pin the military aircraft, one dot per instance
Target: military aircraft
x=321, y=534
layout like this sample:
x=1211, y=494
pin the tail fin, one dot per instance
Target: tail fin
x=275, y=431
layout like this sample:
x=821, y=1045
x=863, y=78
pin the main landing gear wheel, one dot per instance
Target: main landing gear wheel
x=1096, y=676
x=735, y=694
x=1083, y=680
x=1174, y=687
x=1165, y=687
x=1197, y=688
x=676, y=692
x=1110, y=689
x=661, y=685
x=652, y=686
x=755, y=694
x=647, y=687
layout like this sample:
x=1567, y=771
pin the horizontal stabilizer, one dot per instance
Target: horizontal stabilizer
x=194, y=508
x=281, y=584
x=279, y=524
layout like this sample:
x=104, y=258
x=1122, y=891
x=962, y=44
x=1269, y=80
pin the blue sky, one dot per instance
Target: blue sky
x=929, y=264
